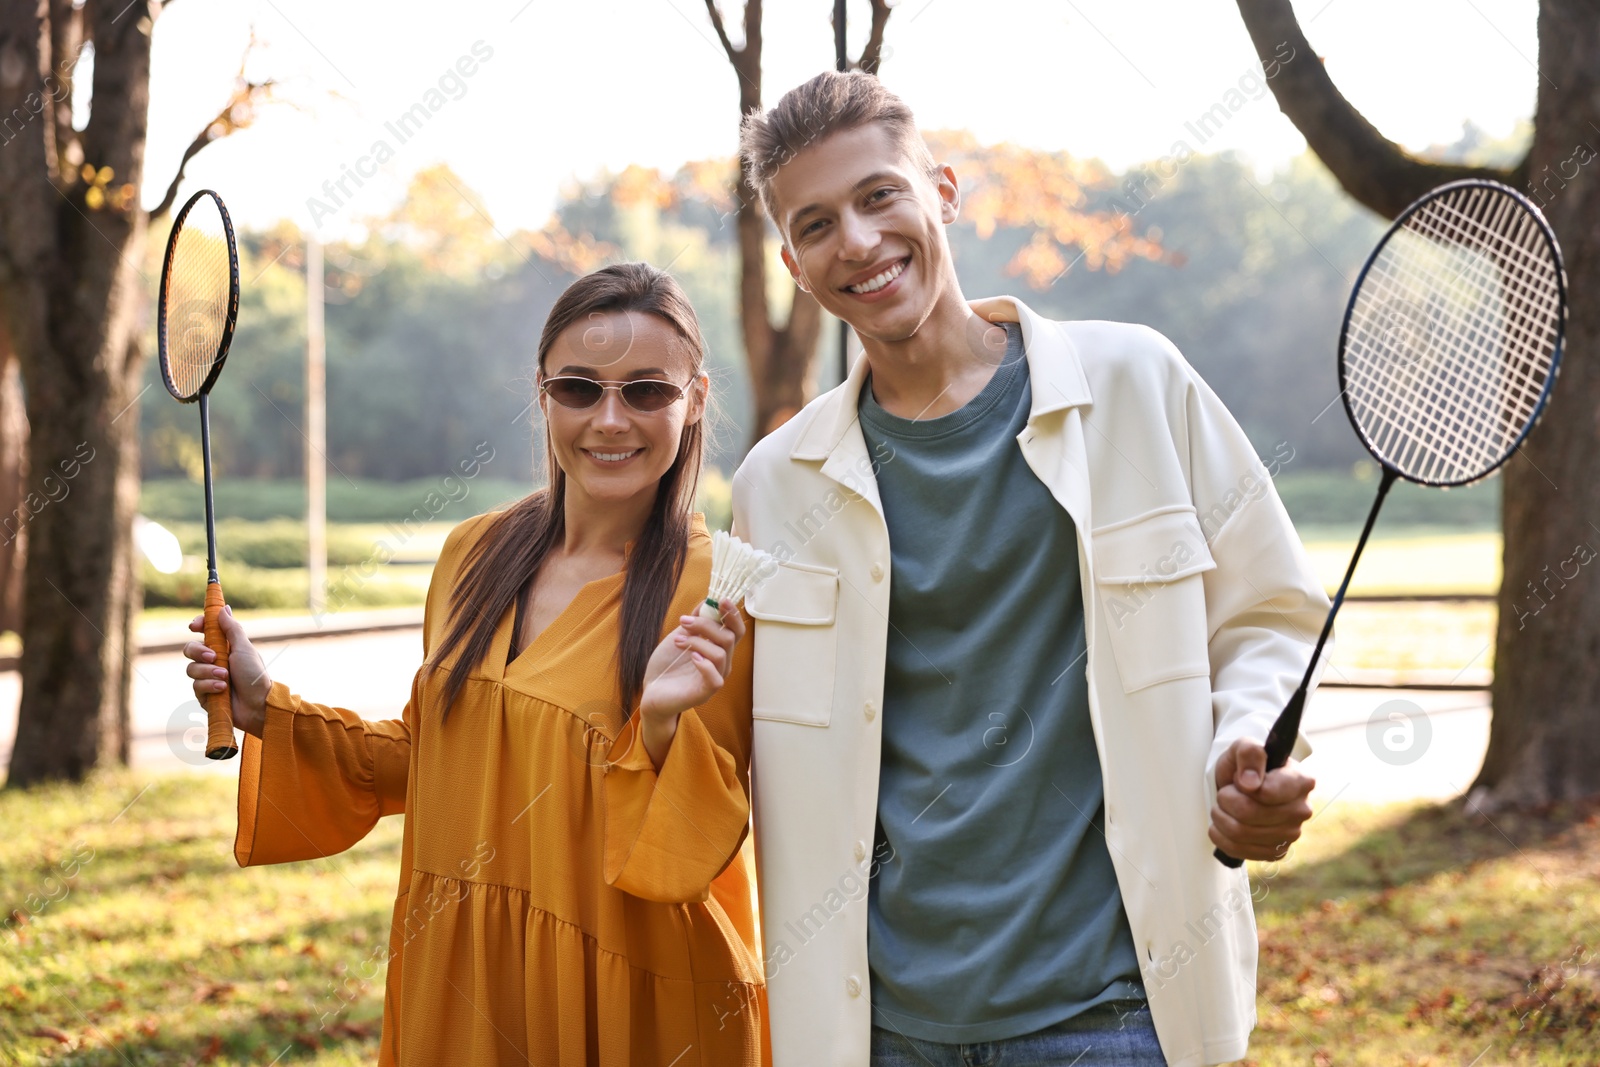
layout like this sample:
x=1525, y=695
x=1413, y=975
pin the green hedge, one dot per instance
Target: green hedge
x=277, y=587
x=426, y=500
x=1316, y=497
x=271, y=543
x=179, y=504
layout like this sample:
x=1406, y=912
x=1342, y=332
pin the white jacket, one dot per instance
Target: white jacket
x=1201, y=610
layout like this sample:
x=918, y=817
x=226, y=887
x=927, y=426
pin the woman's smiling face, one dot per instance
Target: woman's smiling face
x=610, y=452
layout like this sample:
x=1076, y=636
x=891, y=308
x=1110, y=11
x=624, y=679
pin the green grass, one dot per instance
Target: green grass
x=132, y=936
x=1407, y=560
x=1392, y=935
x=1412, y=935
x=1405, y=637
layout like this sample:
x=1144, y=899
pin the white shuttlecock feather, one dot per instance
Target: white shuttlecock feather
x=736, y=568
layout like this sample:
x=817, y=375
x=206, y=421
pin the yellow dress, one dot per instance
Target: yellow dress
x=560, y=902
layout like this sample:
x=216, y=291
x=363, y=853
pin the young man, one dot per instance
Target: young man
x=1037, y=606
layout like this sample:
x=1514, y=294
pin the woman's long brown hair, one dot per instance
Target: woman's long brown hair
x=507, y=557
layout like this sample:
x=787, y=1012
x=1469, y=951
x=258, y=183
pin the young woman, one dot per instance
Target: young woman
x=573, y=761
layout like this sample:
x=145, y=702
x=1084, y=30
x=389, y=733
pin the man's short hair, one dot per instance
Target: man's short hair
x=832, y=102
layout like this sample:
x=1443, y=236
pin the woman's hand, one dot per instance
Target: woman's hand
x=248, y=672
x=688, y=666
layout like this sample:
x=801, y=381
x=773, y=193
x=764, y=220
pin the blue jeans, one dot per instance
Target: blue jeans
x=1118, y=1033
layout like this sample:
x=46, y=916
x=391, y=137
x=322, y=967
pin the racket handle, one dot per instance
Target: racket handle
x=219, y=706
x=1280, y=742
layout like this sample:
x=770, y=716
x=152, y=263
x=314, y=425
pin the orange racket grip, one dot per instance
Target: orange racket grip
x=219, y=706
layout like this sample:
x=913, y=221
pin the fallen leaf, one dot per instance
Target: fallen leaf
x=212, y=1050
x=52, y=1033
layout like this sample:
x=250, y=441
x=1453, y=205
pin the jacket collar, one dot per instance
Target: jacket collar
x=1054, y=370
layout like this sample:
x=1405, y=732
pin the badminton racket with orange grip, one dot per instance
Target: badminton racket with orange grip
x=198, y=307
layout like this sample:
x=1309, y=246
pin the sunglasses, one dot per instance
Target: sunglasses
x=644, y=395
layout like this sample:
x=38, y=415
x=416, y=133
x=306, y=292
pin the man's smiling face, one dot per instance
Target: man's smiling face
x=864, y=231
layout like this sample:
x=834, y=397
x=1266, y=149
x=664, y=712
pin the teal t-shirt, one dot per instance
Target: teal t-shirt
x=1000, y=914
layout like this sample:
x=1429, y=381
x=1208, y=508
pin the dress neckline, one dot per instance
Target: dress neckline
x=561, y=625
x=500, y=660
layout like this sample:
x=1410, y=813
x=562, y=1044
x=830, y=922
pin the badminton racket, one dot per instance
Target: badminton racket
x=198, y=306
x=1447, y=357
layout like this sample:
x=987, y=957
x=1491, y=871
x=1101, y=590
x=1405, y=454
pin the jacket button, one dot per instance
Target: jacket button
x=852, y=985
x=877, y=572
x=870, y=710
x=861, y=850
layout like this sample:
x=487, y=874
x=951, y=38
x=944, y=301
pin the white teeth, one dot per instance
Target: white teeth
x=613, y=457
x=873, y=284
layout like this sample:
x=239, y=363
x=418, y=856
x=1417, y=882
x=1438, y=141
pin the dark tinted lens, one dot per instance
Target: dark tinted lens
x=649, y=395
x=574, y=392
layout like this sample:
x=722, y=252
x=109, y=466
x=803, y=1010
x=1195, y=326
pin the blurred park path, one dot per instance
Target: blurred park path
x=1370, y=745
x=369, y=673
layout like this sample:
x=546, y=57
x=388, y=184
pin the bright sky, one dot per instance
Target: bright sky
x=558, y=89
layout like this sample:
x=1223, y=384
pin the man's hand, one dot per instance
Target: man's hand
x=1258, y=815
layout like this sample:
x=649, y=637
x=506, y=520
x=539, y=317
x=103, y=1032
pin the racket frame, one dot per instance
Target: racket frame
x=1554, y=249
x=233, y=298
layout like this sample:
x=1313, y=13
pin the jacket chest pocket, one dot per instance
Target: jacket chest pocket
x=1147, y=574
x=796, y=644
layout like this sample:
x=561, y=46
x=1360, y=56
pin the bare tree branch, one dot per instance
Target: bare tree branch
x=722, y=33
x=1373, y=169
x=872, y=55
x=235, y=115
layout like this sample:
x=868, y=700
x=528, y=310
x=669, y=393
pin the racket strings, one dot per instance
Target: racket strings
x=1452, y=336
x=195, y=296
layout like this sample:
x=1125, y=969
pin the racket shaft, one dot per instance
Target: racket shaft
x=219, y=706
x=211, y=517
x=1280, y=741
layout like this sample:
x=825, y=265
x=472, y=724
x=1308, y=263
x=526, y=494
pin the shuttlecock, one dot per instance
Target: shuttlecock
x=736, y=568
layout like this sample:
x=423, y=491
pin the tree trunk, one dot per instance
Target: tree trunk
x=1545, y=742
x=71, y=291
x=780, y=358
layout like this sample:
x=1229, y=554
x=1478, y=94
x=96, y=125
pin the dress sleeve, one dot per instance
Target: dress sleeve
x=668, y=834
x=318, y=779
